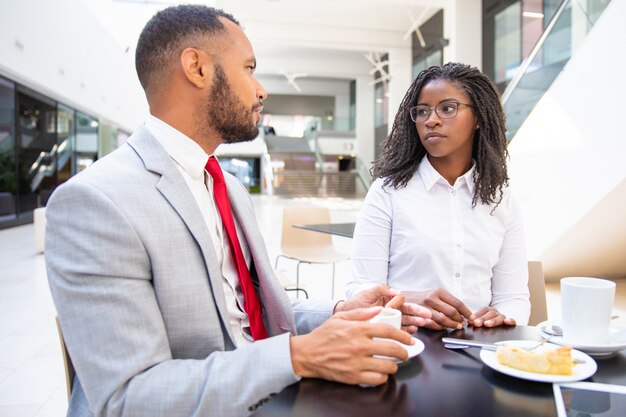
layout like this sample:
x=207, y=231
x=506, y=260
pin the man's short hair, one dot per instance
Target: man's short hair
x=169, y=32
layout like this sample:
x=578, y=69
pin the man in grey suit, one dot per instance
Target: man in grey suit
x=155, y=291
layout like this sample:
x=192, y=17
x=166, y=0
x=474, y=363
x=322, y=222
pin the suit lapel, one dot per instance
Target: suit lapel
x=278, y=313
x=174, y=189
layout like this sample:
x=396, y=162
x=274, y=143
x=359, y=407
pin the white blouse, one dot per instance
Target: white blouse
x=427, y=235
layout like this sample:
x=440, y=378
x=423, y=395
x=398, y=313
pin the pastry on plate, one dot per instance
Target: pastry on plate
x=543, y=360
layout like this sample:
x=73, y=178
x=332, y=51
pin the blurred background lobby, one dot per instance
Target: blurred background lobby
x=335, y=72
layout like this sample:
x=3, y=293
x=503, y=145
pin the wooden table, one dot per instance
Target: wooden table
x=438, y=382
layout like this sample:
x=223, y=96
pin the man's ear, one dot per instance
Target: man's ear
x=197, y=67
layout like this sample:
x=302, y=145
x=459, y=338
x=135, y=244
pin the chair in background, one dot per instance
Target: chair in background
x=289, y=285
x=67, y=362
x=305, y=246
x=537, y=289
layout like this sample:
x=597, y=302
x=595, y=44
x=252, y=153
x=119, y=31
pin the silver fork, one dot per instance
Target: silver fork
x=452, y=343
x=544, y=340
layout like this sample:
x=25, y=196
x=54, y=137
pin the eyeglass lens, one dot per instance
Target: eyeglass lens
x=446, y=110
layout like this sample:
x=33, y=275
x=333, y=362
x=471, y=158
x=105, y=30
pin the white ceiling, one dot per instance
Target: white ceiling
x=324, y=38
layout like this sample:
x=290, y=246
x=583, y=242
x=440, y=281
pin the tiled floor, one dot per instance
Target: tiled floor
x=32, y=381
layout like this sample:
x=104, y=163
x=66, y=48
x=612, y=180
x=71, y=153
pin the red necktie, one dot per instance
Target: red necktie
x=251, y=301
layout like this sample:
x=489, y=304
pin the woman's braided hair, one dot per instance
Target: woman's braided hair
x=402, y=151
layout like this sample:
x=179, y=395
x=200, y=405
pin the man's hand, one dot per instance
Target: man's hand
x=447, y=310
x=413, y=315
x=489, y=317
x=343, y=348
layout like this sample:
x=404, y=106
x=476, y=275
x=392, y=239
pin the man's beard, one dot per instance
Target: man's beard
x=228, y=116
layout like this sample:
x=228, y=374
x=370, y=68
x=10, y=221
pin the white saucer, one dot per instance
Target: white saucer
x=413, y=350
x=581, y=371
x=617, y=341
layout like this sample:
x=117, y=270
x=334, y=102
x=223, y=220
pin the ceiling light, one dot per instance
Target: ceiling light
x=533, y=15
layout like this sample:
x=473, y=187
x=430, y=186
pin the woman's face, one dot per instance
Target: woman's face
x=446, y=139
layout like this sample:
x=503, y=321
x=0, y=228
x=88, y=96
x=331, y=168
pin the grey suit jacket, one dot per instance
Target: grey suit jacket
x=139, y=294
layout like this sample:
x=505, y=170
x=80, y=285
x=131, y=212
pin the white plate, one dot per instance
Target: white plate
x=581, y=370
x=617, y=341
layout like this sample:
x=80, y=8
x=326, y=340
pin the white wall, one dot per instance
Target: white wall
x=400, y=69
x=571, y=151
x=365, y=120
x=462, y=26
x=62, y=50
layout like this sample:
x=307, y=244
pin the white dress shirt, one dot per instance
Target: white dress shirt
x=427, y=235
x=190, y=160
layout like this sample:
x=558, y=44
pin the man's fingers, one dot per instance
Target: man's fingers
x=372, y=378
x=413, y=309
x=385, y=331
x=359, y=313
x=414, y=316
x=390, y=349
x=411, y=328
x=385, y=291
x=431, y=324
x=396, y=302
x=413, y=321
x=509, y=322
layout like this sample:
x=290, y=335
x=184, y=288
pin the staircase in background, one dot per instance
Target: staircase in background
x=300, y=172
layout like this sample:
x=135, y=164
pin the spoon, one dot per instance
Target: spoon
x=552, y=330
x=556, y=330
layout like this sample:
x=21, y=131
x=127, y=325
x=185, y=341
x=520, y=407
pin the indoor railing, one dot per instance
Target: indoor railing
x=560, y=39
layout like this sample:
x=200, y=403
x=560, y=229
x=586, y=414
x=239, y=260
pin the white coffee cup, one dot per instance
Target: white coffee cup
x=389, y=316
x=586, y=305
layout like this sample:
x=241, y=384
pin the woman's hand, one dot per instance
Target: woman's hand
x=447, y=310
x=490, y=317
x=413, y=315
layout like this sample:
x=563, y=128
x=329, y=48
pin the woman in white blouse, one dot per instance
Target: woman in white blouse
x=439, y=222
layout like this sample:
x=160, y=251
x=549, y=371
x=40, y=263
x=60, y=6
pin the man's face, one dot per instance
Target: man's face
x=228, y=115
x=234, y=102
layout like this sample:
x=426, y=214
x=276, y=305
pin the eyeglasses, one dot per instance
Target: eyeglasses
x=445, y=110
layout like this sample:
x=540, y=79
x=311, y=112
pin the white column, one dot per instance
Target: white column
x=342, y=111
x=400, y=64
x=365, y=120
x=579, y=23
x=463, y=27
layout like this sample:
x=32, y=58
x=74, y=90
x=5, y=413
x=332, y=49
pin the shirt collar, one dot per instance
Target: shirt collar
x=181, y=148
x=430, y=176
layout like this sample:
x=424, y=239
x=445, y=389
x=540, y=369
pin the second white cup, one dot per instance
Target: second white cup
x=586, y=304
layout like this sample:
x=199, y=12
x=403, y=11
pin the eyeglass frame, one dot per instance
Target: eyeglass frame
x=430, y=110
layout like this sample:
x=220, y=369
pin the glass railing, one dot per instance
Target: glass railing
x=560, y=40
x=363, y=173
x=45, y=165
x=332, y=124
